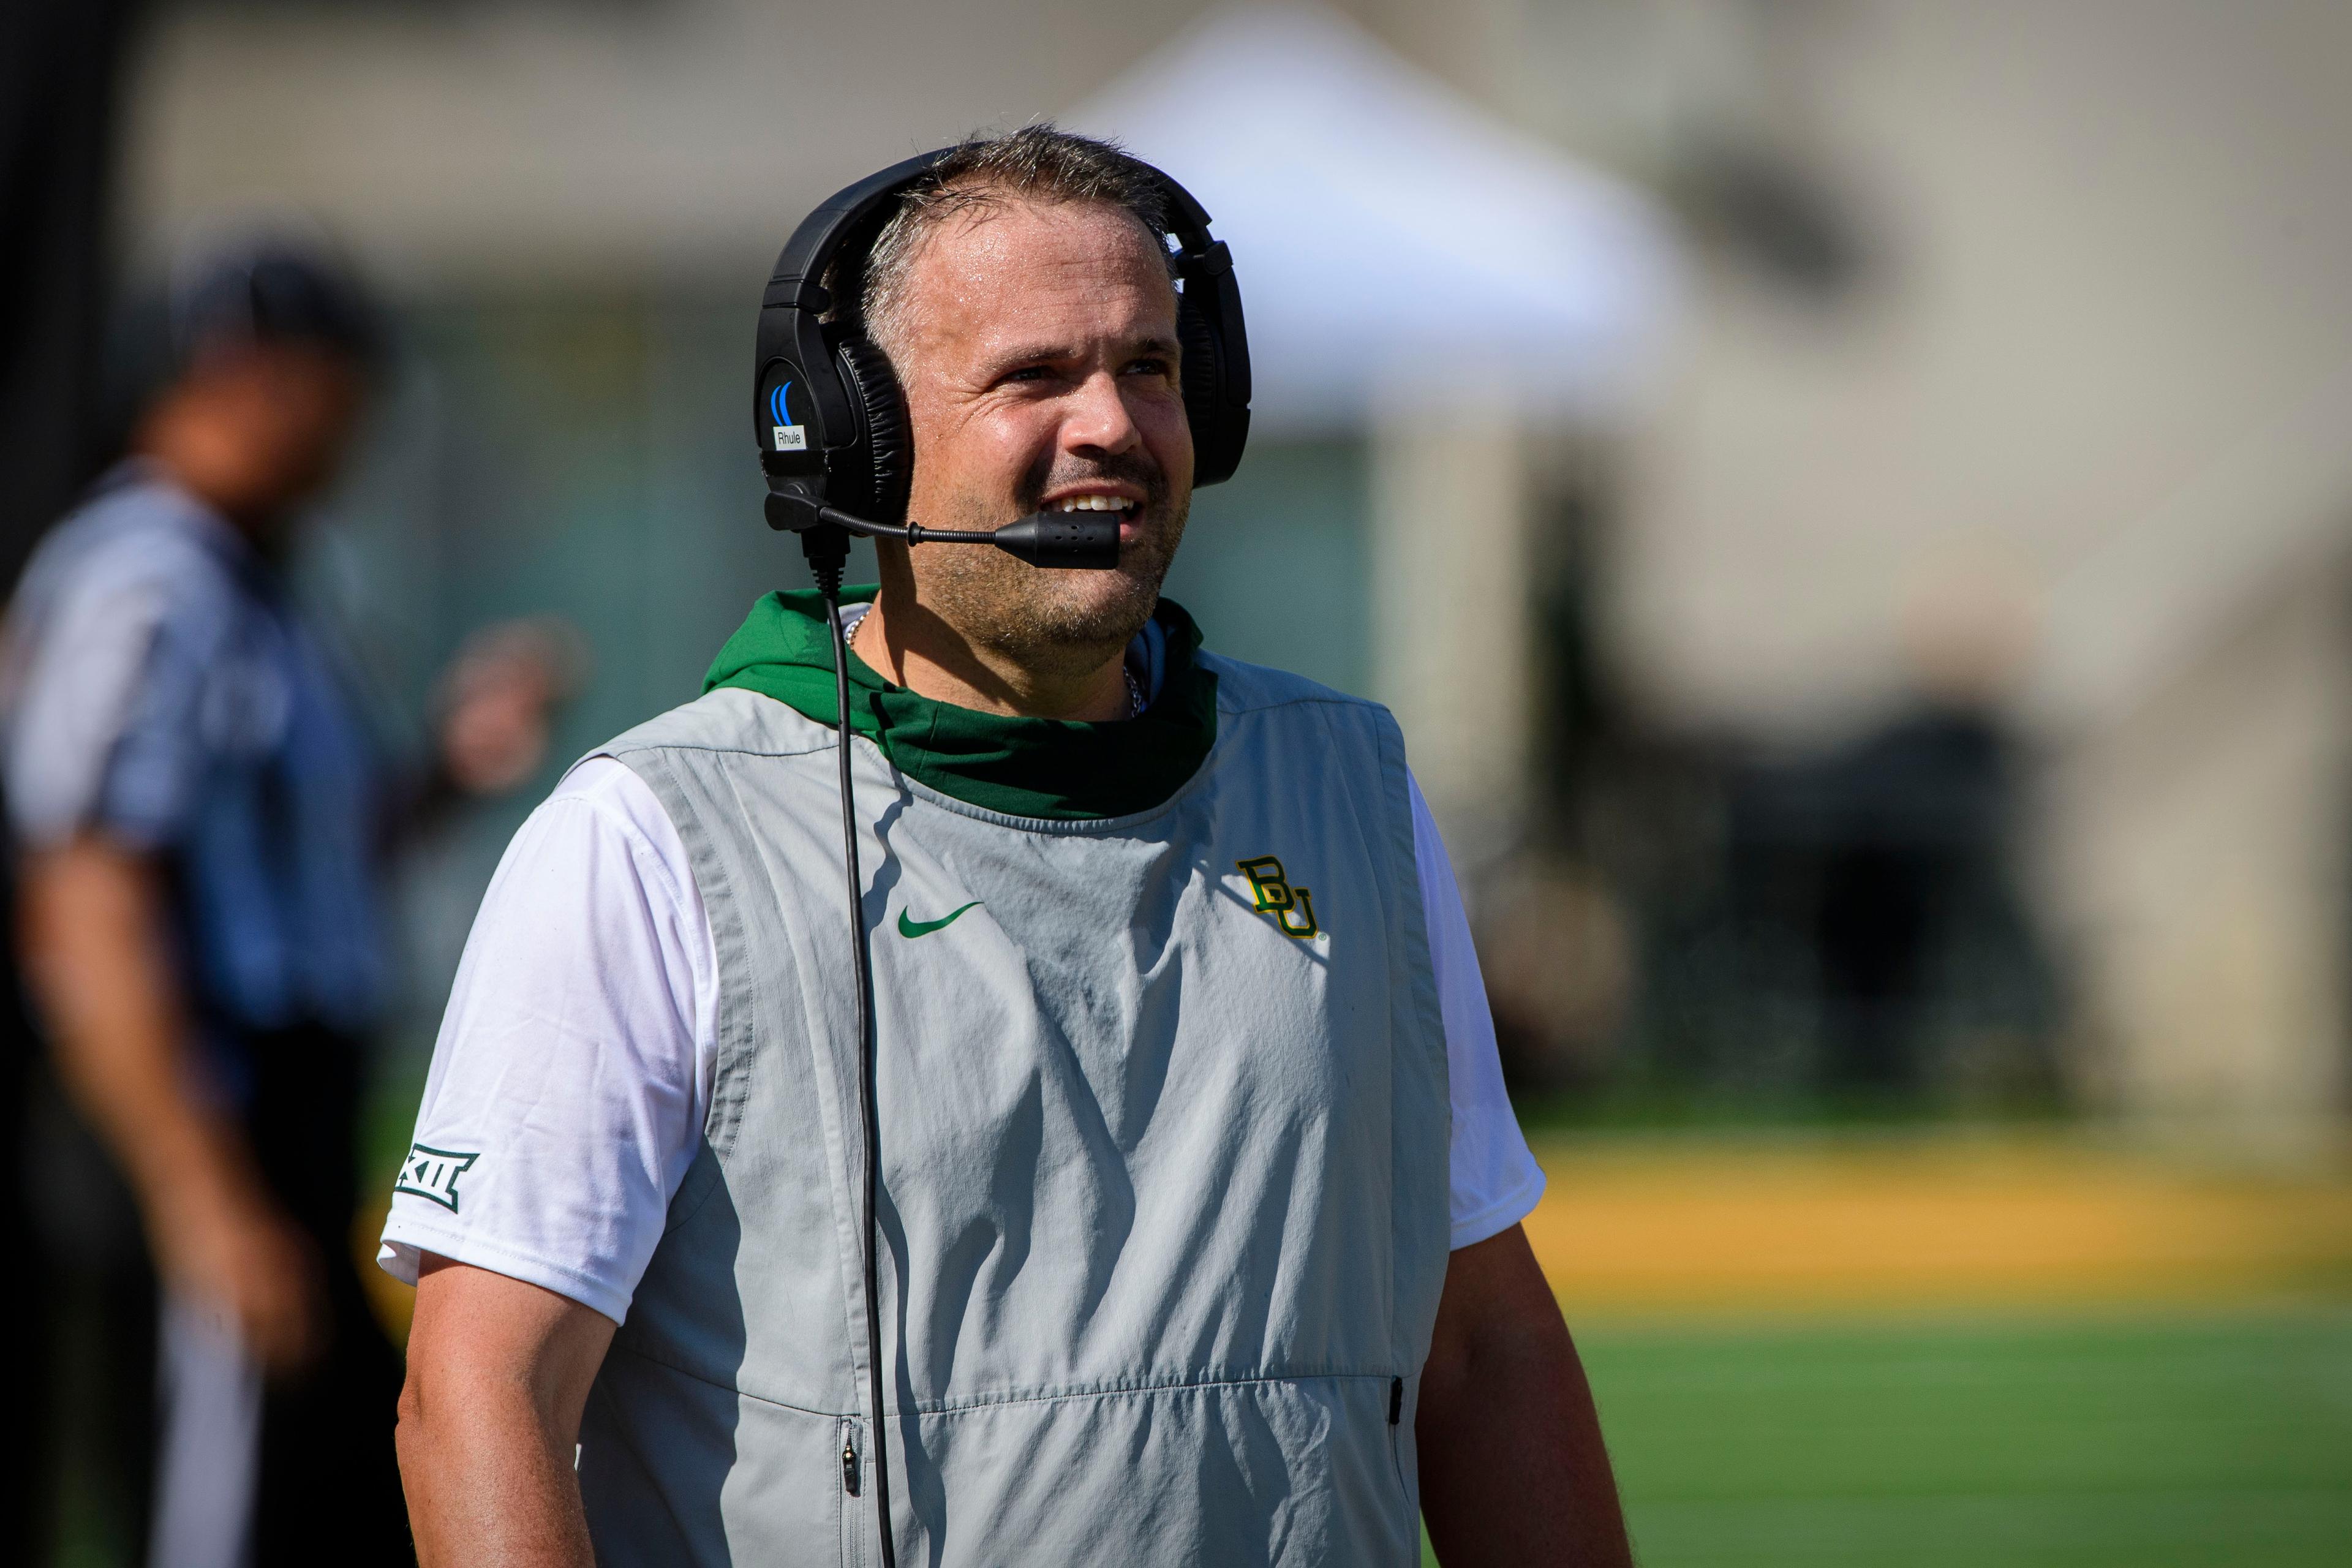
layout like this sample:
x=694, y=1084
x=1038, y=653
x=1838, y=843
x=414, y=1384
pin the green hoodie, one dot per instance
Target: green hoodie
x=1059, y=769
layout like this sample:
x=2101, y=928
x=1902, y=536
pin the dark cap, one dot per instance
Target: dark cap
x=269, y=288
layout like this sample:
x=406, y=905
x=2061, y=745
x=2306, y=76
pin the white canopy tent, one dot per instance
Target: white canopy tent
x=1416, y=270
x=1395, y=244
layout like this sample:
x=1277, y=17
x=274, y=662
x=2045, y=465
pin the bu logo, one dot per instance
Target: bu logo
x=1293, y=908
x=433, y=1174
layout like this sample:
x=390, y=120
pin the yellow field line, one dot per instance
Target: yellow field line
x=1743, y=1225
x=1930, y=1223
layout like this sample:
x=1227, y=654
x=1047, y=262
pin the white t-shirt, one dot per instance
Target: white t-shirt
x=577, y=1055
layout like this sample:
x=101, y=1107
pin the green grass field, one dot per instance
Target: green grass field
x=2143, y=1441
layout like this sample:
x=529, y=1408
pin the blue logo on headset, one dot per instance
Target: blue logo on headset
x=787, y=435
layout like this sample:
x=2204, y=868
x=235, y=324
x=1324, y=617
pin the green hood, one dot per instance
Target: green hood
x=1054, y=768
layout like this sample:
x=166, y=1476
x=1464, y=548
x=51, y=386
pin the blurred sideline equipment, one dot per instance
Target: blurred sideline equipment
x=861, y=453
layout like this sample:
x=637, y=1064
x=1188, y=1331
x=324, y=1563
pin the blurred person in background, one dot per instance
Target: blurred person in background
x=200, y=816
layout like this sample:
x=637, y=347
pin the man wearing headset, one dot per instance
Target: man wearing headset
x=1199, y=1204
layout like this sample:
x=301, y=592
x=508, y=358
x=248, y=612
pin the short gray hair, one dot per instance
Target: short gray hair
x=1039, y=163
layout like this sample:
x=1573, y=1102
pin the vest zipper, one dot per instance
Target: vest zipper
x=849, y=1469
x=1396, y=1419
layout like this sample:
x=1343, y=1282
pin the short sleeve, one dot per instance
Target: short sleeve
x=567, y=1091
x=103, y=732
x=1495, y=1179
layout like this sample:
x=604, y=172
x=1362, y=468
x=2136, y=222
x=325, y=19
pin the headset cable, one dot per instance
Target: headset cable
x=828, y=555
x=1052, y=539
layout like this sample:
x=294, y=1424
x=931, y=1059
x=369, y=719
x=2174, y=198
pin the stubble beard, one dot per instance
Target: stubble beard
x=1054, y=621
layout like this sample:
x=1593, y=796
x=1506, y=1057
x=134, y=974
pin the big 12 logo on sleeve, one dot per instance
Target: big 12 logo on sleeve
x=433, y=1174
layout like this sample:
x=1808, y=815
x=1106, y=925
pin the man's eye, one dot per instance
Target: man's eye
x=1150, y=365
x=1027, y=372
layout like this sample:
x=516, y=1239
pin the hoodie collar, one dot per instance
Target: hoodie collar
x=1055, y=769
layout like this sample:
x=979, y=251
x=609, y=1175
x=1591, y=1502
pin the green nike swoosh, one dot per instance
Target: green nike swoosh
x=925, y=928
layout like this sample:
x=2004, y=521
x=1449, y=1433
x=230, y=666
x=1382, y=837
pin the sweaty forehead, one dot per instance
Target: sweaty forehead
x=1020, y=268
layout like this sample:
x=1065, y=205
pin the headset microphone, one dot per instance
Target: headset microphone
x=1049, y=539
x=836, y=445
x=1065, y=539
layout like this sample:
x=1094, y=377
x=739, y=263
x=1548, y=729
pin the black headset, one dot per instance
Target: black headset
x=830, y=416
x=830, y=421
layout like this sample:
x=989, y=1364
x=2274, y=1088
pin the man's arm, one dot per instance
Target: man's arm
x=499, y=1371
x=95, y=953
x=1513, y=1471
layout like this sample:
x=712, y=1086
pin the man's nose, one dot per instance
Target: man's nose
x=1097, y=420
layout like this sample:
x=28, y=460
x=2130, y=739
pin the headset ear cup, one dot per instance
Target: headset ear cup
x=888, y=447
x=1203, y=403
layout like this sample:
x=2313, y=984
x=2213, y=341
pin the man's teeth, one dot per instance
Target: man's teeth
x=1092, y=503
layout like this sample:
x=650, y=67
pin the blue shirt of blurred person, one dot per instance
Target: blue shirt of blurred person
x=157, y=686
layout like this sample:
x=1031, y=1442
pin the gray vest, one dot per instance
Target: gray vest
x=1164, y=1164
